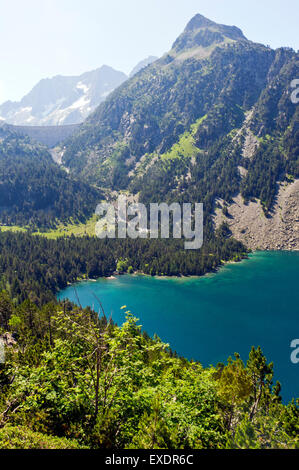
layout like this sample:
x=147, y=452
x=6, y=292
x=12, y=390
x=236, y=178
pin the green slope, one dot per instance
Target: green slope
x=212, y=71
x=35, y=191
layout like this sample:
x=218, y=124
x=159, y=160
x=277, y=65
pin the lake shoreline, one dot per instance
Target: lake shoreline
x=117, y=275
x=209, y=318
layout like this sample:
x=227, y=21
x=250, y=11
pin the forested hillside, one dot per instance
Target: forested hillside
x=215, y=86
x=209, y=120
x=35, y=191
x=212, y=78
x=35, y=267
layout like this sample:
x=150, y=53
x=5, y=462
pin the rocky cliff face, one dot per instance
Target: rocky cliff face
x=63, y=100
x=249, y=224
x=202, y=32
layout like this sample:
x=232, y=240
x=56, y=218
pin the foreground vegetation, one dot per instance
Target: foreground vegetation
x=72, y=379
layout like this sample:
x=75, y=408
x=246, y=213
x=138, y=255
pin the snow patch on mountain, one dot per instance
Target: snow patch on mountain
x=63, y=100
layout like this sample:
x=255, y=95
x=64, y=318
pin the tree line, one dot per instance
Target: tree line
x=36, y=267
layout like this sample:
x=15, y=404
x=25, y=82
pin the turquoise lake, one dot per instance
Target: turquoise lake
x=255, y=302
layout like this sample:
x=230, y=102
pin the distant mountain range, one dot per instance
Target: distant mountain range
x=211, y=121
x=63, y=100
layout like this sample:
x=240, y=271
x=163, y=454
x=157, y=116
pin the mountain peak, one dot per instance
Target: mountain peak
x=202, y=32
x=63, y=99
x=199, y=21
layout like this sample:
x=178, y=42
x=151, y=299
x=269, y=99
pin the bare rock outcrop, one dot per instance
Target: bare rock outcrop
x=248, y=223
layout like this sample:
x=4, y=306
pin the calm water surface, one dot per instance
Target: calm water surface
x=255, y=302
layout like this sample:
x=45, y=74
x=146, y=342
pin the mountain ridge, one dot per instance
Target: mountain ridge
x=63, y=99
x=142, y=64
x=66, y=100
x=177, y=130
x=196, y=127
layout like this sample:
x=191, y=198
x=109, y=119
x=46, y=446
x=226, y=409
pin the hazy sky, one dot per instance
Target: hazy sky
x=43, y=38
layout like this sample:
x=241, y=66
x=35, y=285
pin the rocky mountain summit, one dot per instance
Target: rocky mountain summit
x=211, y=120
x=202, y=32
x=63, y=100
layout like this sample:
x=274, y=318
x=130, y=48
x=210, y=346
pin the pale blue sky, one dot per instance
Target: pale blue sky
x=43, y=38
